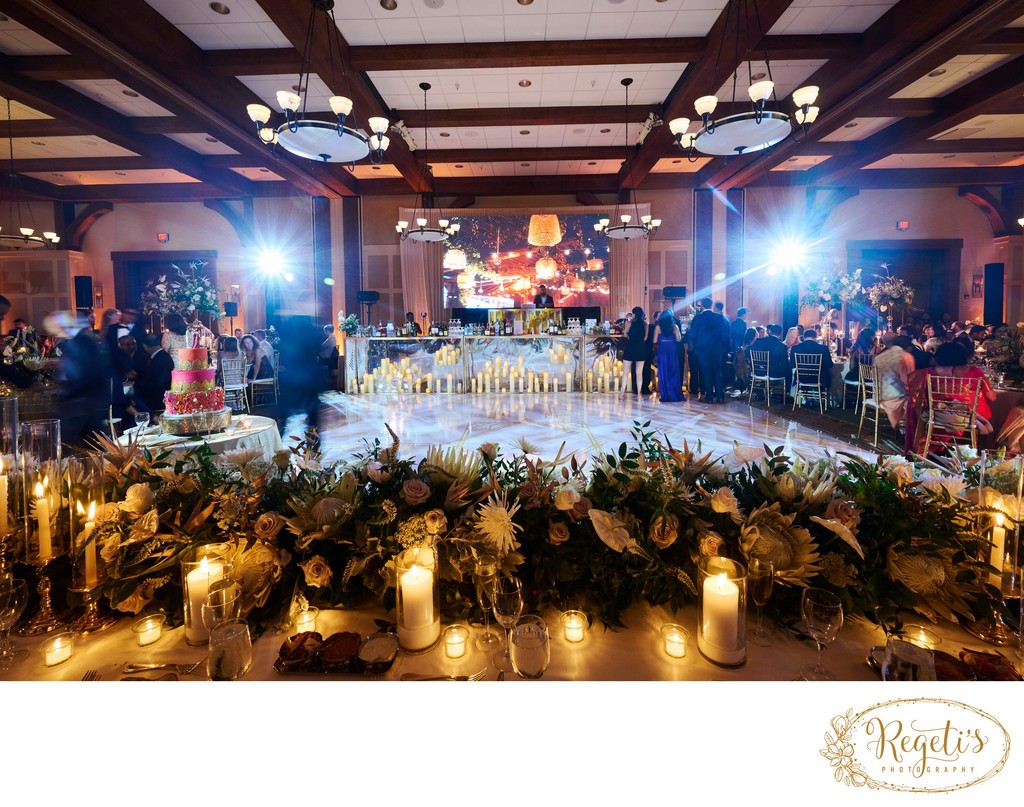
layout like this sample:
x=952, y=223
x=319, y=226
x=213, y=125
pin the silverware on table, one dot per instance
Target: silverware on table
x=164, y=677
x=91, y=675
x=181, y=669
x=418, y=677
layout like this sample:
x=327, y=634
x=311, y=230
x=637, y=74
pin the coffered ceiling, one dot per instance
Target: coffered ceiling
x=145, y=99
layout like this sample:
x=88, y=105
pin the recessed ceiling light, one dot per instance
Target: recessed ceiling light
x=676, y=162
x=220, y=8
x=605, y=131
x=524, y=165
x=591, y=163
x=211, y=139
x=375, y=167
x=264, y=170
x=56, y=175
x=388, y=5
x=525, y=2
x=459, y=165
x=443, y=134
x=757, y=76
x=120, y=174
x=130, y=93
x=949, y=156
x=525, y=82
x=38, y=143
x=936, y=73
x=524, y=131
x=850, y=125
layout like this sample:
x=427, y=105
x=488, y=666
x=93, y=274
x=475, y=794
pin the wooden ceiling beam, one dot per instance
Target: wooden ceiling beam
x=149, y=54
x=1005, y=41
x=44, y=127
x=253, y=62
x=68, y=164
x=292, y=18
x=930, y=33
x=438, y=156
x=523, y=116
x=58, y=67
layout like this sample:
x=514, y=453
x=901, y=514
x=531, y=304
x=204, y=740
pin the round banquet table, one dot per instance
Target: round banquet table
x=1006, y=400
x=246, y=431
x=634, y=653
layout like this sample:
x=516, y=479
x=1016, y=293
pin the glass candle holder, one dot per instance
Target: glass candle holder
x=9, y=489
x=418, y=599
x=673, y=640
x=921, y=636
x=721, y=610
x=148, y=629
x=306, y=620
x=84, y=497
x=455, y=641
x=200, y=571
x=41, y=474
x=57, y=649
x=574, y=626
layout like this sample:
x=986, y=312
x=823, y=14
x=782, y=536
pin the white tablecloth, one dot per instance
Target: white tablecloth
x=246, y=431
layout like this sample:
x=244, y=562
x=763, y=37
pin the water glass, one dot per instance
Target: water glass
x=530, y=647
x=222, y=604
x=141, y=421
x=905, y=661
x=230, y=651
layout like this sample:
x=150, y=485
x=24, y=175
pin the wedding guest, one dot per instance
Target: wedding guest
x=304, y=379
x=738, y=330
x=543, y=299
x=894, y=365
x=230, y=350
x=810, y=346
x=922, y=358
x=83, y=388
x=108, y=329
x=792, y=338
x=647, y=376
x=239, y=333
x=741, y=358
x=863, y=351
x=667, y=339
x=265, y=347
x=155, y=378
x=778, y=355
x=22, y=332
x=175, y=336
x=259, y=365
x=708, y=338
x=635, y=350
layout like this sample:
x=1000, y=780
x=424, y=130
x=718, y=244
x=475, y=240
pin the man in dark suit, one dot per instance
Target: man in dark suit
x=543, y=299
x=737, y=330
x=922, y=358
x=155, y=378
x=708, y=338
x=810, y=346
x=22, y=333
x=778, y=356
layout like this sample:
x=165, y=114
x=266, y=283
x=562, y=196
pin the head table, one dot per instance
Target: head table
x=634, y=653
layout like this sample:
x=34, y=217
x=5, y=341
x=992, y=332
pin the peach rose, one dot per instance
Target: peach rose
x=316, y=571
x=558, y=532
x=414, y=491
x=664, y=530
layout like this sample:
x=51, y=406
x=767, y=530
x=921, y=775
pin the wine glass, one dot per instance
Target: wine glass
x=222, y=604
x=507, y=601
x=823, y=617
x=760, y=581
x=230, y=651
x=13, y=598
x=484, y=575
x=531, y=650
x=141, y=421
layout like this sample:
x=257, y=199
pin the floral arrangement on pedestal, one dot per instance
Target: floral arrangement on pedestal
x=831, y=289
x=600, y=533
x=348, y=325
x=1005, y=352
x=185, y=293
x=890, y=293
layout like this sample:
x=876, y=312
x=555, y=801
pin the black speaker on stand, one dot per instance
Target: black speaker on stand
x=231, y=311
x=993, y=292
x=83, y=293
x=673, y=293
x=368, y=298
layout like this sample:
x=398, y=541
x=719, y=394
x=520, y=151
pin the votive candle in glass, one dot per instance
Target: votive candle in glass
x=58, y=649
x=148, y=629
x=921, y=636
x=306, y=620
x=455, y=639
x=574, y=626
x=674, y=638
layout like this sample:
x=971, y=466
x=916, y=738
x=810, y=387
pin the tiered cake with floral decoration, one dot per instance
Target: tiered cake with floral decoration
x=193, y=384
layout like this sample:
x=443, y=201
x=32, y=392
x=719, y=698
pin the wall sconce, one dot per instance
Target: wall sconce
x=97, y=290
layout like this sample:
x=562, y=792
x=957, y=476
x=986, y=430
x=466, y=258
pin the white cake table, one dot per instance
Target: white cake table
x=247, y=431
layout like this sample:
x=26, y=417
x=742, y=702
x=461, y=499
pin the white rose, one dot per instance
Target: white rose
x=316, y=571
x=138, y=499
x=565, y=497
x=724, y=501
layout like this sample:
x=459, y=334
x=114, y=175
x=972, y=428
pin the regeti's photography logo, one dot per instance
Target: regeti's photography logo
x=921, y=745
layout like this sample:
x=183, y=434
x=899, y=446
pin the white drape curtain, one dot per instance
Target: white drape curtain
x=422, y=273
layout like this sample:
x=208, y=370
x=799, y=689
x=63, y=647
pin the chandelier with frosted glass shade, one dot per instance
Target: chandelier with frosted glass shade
x=15, y=211
x=761, y=126
x=338, y=141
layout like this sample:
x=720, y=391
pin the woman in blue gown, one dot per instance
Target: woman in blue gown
x=670, y=382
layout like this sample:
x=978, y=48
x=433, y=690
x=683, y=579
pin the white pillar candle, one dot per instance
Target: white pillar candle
x=418, y=624
x=568, y=382
x=43, y=521
x=721, y=612
x=198, y=583
x=438, y=388
x=90, y=548
x=487, y=383
x=448, y=378
x=998, y=552
x=4, y=516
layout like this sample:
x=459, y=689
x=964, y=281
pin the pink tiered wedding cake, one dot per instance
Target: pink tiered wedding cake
x=193, y=384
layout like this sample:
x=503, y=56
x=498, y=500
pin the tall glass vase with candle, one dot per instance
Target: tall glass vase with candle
x=485, y=574
x=417, y=599
x=42, y=471
x=721, y=610
x=508, y=606
x=203, y=570
x=83, y=493
x=13, y=598
x=10, y=478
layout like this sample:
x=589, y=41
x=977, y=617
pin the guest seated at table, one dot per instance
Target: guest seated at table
x=259, y=364
x=951, y=361
x=810, y=346
x=959, y=334
x=862, y=352
x=934, y=335
x=229, y=350
x=175, y=337
x=778, y=355
x=894, y=365
x=22, y=332
x=155, y=378
x=741, y=358
x=792, y=337
x=922, y=358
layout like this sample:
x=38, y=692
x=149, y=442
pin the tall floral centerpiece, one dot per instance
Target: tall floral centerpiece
x=831, y=290
x=186, y=292
x=890, y=293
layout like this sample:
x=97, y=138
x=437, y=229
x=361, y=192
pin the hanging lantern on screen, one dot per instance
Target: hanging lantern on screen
x=466, y=280
x=545, y=268
x=577, y=285
x=454, y=259
x=595, y=265
x=521, y=285
x=545, y=231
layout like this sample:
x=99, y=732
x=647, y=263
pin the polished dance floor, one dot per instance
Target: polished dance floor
x=541, y=423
